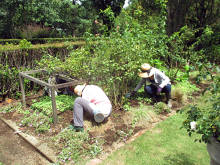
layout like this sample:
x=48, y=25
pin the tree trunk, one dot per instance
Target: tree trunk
x=31, y=33
x=25, y=14
x=74, y=18
x=169, y=19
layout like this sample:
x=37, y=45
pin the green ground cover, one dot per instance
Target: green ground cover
x=63, y=103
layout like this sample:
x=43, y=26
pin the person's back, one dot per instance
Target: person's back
x=55, y=81
x=95, y=94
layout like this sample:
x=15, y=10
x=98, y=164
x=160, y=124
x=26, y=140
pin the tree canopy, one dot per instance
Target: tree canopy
x=73, y=18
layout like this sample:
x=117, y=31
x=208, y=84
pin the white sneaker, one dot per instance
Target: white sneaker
x=169, y=103
x=50, y=93
x=99, y=117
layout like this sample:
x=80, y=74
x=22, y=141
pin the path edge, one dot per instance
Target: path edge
x=43, y=149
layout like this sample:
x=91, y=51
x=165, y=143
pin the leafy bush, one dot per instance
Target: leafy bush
x=207, y=119
x=24, y=44
x=114, y=60
x=112, y=63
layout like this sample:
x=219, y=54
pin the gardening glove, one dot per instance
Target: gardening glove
x=159, y=89
x=133, y=92
x=128, y=95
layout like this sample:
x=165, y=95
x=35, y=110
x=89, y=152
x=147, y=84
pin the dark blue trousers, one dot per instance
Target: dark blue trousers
x=150, y=89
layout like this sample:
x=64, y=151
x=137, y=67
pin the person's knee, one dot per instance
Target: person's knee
x=78, y=100
x=148, y=89
x=167, y=88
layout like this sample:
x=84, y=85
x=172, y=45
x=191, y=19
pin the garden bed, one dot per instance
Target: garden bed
x=113, y=132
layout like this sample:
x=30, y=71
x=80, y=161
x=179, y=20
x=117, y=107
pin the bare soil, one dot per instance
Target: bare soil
x=114, y=123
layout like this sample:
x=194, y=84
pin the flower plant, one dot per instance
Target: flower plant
x=73, y=146
x=207, y=119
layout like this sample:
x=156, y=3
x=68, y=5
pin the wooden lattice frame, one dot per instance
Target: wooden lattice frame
x=70, y=82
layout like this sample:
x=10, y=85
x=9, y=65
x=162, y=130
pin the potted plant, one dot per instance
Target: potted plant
x=207, y=121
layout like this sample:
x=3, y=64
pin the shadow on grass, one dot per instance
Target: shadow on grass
x=179, y=158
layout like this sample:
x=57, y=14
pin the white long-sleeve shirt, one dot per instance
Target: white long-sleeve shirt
x=98, y=98
x=160, y=79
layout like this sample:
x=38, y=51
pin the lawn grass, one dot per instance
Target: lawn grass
x=164, y=144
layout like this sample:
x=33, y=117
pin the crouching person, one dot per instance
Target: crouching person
x=62, y=91
x=92, y=100
x=159, y=83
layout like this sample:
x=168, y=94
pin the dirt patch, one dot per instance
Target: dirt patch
x=111, y=126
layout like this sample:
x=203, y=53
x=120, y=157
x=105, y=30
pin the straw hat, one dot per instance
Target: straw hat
x=78, y=89
x=146, y=71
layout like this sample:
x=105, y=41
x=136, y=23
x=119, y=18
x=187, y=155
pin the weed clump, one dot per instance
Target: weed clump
x=40, y=122
x=140, y=116
x=183, y=90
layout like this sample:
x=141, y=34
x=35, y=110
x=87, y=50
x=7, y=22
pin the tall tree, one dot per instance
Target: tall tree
x=71, y=15
x=74, y=18
x=101, y=5
x=8, y=10
x=21, y=13
x=176, y=13
x=194, y=13
x=203, y=12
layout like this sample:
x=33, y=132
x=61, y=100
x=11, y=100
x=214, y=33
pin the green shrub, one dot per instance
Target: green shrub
x=207, y=119
x=25, y=44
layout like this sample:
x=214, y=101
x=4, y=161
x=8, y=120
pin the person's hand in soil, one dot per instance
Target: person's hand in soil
x=71, y=121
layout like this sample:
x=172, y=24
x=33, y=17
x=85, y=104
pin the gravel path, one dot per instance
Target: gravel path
x=14, y=150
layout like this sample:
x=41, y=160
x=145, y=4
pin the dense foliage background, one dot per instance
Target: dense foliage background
x=174, y=36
